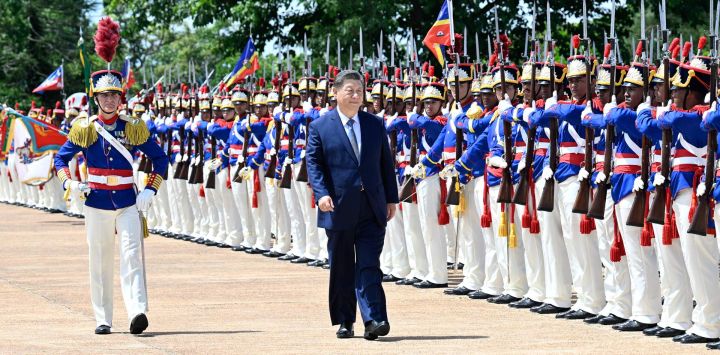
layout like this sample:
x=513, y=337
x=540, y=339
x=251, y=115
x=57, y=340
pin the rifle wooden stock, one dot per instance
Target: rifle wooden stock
x=408, y=186
x=286, y=181
x=699, y=222
x=181, y=163
x=196, y=168
x=656, y=214
x=453, y=195
x=523, y=187
x=210, y=183
x=547, y=198
x=506, y=185
x=168, y=140
x=272, y=166
x=582, y=201
x=302, y=175
x=186, y=163
x=597, y=208
x=246, y=143
x=636, y=217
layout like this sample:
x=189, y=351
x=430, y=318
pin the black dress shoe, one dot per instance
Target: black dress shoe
x=326, y=266
x=451, y=266
x=503, y=299
x=210, y=243
x=564, y=314
x=547, y=308
x=580, y=314
x=240, y=248
x=428, y=284
x=408, y=282
x=301, y=260
x=633, y=326
x=288, y=257
x=458, y=291
x=668, y=332
x=103, y=329
x=272, y=254
x=594, y=320
x=390, y=278
x=223, y=245
x=317, y=263
x=138, y=324
x=652, y=331
x=255, y=251
x=524, y=303
x=345, y=331
x=677, y=338
x=612, y=320
x=696, y=339
x=479, y=295
x=374, y=329
x=714, y=345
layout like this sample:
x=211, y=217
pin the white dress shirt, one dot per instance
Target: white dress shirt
x=356, y=128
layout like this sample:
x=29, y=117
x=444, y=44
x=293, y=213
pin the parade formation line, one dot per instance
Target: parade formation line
x=212, y=300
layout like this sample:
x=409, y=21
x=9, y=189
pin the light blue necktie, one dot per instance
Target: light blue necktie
x=353, y=139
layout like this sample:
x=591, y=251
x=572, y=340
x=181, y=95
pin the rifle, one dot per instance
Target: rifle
x=636, y=216
x=523, y=188
x=270, y=172
x=210, y=184
x=286, y=180
x=302, y=175
x=699, y=222
x=582, y=202
x=453, y=195
x=406, y=191
x=547, y=198
x=656, y=213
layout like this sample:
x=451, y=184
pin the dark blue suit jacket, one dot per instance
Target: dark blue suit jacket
x=333, y=169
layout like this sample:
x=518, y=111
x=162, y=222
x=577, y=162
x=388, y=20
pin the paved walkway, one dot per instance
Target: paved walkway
x=210, y=300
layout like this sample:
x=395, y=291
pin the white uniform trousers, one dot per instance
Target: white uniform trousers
x=175, y=217
x=617, y=277
x=182, y=204
x=101, y=227
x=231, y=217
x=241, y=195
x=393, y=258
x=471, y=238
x=534, y=270
x=162, y=204
x=297, y=219
x=56, y=194
x=583, y=253
x=510, y=260
x=279, y=217
x=312, y=233
x=701, y=259
x=558, y=278
x=417, y=256
x=643, y=267
x=4, y=183
x=434, y=235
x=260, y=215
x=493, y=283
x=75, y=204
x=197, y=211
x=216, y=231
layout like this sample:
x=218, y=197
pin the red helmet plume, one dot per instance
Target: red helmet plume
x=701, y=43
x=107, y=38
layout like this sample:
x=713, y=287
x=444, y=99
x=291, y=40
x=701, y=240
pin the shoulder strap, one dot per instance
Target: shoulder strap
x=114, y=142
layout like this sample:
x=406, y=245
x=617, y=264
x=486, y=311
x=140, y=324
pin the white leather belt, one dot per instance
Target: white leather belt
x=542, y=145
x=299, y=142
x=520, y=149
x=626, y=161
x=572, y=150
x=688, y=161
x=110, y=180
x=448, y=155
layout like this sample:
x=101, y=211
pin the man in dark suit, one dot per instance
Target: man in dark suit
x=350, y=168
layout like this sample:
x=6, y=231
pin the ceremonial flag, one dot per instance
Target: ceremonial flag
x=246, y=65
x=128, y=75
x=52, y=83
x=439, y=35
x=85, y=63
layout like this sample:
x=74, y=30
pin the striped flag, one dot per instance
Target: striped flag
x=53, y=82
x=128, y=75
x=85, y=63
x=439, y=35
x=246, y=65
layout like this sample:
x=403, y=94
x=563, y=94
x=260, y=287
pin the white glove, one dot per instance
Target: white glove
x=587, y=111
x=381, y=114
x=210, y=124
x=215, y=163
x=324, y=110
x=240, y=159
x=645, y=105
x=409, y=171
x=277, y=110
x=662, y=109
x=77, y=186
x=600, y=178
x=185, y=157
x=169, y=121
x=658, y=180
x=638, y=184
x=713, y=108
x=287, y=161
x=456, y=111
x=551, y=101
x=700, y=189
x=504, y=104
x=609, y=106
x=528, y=111
x=521, y=165
x=419, y=171
x=497, y=161
x=583, y=174
x=307, y=106
x=272, y=151
x=446, y=110
x=181, y=116
x=547, y=173
x=448, y=172
x=178, y=158
x=245, y=173
x=143, y=200
x=707, y=101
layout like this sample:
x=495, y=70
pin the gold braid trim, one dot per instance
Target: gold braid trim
x=82, y=133
x=136, y=131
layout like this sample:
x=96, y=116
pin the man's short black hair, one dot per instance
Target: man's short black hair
x=346, y=75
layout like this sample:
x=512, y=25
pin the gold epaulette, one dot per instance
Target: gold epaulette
x=271, y=124
x=474, y=112
x=82, y=133
x=136, y=131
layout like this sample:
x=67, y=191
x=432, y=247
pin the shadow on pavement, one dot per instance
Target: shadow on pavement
x=431, y=337
x=190, y=332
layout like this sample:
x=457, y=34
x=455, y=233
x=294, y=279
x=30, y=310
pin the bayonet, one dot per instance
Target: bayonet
x=465, y=41
x=339, y=61
x=392, y=52
x=327, y=50
x=525, y=50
